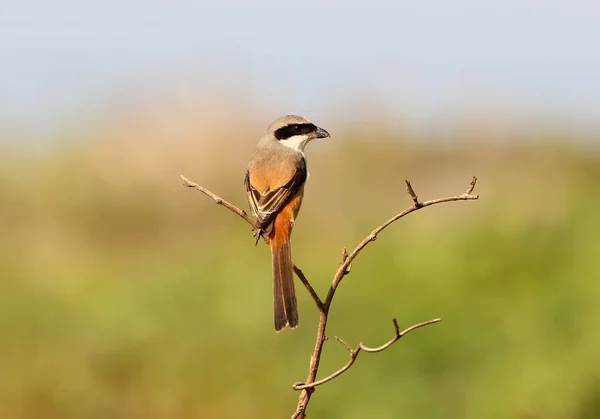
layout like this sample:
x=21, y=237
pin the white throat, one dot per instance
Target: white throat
x=297, y=142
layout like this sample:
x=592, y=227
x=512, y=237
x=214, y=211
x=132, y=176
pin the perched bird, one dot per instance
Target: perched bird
x=275, y=185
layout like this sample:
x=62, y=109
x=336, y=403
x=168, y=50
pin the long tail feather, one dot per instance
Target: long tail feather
x=284, y=294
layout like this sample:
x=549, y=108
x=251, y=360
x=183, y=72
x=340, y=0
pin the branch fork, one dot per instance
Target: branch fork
x=308, y=387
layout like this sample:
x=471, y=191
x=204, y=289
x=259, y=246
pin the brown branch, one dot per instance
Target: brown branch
x=309, y=287
x=412, y=193
x=397, y=336
x=471, y=186
x=417, y=205
x=220, y=201
x=308, y=388
x=361, y=347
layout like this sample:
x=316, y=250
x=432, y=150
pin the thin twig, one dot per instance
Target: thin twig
x=361, y=347
x=220, y=201
x=344, y=255
x=412, y=193
x=309, y=287
x=397, y=336
x=343, y=269
x=472, y=186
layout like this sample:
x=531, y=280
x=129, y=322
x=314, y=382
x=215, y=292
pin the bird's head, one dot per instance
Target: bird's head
x=294, y=131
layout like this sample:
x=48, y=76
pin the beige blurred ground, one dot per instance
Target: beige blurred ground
x=125, y=295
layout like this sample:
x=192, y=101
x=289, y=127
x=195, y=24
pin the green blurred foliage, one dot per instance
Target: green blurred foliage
x=125, y=295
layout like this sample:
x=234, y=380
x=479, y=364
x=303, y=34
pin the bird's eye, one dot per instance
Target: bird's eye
x=297, y=129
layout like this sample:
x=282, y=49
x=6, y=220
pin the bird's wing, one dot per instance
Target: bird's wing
x=266, y=204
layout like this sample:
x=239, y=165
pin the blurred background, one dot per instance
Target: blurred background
x=125, y=295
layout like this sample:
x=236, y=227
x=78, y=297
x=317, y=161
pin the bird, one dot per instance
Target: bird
x=274, y=182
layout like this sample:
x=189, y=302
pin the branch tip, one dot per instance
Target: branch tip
x=344, y=254
x=396, y=326
x=412, y=194
x=472, y=186
x=343, y=342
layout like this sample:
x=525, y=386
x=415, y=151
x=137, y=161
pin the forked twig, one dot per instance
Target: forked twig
x=361, y=347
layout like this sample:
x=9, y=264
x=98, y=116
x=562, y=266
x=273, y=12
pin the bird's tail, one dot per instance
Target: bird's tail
x=284, y=294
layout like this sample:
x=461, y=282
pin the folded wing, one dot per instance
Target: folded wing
x=267, y=203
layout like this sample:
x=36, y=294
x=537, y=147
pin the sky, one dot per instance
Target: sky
x=64, y=59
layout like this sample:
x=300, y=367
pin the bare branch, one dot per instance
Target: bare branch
x=308, y=388
x=344, y=255
x=344, y=269
x=353, y=356
x=309, y=287
x=412, y=193
x=343, y=342
x=397, y=336
x=219, y=200
x=472, y=186
x=361, y=347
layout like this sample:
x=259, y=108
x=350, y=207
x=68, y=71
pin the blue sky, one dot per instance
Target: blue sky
x=64, y=59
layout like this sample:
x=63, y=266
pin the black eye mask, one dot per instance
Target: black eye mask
x=291, y=130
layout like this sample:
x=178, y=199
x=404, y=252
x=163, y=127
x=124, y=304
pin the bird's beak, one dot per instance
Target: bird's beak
x=321, y=133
